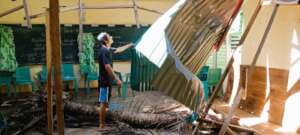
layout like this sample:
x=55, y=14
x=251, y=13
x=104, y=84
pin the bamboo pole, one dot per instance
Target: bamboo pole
x=136, y=15
x=56, y=46
x=49, y=77
x=27, y=16
x=9, y=11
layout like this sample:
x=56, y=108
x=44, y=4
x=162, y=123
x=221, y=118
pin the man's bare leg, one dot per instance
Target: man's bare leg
x=102, y=113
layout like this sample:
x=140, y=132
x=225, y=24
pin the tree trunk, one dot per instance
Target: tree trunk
x=142, y=120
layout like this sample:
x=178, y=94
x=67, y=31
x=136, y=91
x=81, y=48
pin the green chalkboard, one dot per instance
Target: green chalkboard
x=30, y=43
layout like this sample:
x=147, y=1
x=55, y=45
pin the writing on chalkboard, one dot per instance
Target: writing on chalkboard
x=31, y=48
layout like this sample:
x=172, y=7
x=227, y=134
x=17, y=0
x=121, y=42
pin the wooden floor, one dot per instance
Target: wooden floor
x=260, y=124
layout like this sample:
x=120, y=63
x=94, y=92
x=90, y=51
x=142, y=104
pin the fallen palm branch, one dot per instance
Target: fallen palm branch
x=140, y=120
x=29, y=114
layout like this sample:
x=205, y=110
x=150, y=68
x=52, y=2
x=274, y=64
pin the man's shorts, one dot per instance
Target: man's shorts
x=103, y=94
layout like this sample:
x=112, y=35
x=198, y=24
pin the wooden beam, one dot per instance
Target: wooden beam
x=27, y=16
x=49, y=77
x=56, y=52
x=65, y=9
x=80, y=26
x=149, y=10
x=262, y=42
x=231, y=112
x=251, y=70
x=108, y=6
x=234, y=127
x=9, y=11
x=72, y=8
x=136, y=15
x=230, y=132
x=283, y=3
x=229, y=65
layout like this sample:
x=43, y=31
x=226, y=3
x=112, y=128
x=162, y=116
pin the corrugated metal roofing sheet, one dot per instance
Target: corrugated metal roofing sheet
x=180, y=42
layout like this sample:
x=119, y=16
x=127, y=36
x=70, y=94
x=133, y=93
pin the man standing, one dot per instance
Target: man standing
x=106, y=76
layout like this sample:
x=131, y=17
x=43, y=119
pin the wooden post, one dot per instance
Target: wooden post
x=80, y=27
x=56, y=52
x=231, y=112
x=136, y=15
x=251, y=70
x=49, y=77
x=27, y=16
x=7, y=12
x=229, y=65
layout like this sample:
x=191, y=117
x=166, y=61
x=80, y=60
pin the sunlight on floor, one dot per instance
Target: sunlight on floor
x=257, y=120
x=291, y=118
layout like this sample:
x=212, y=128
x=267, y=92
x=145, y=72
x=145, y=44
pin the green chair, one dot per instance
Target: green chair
x=22, y=77
x=203, y=77
x=68, y=75
x=115, y=83
x=124, y=77
x=125, y=82
x=214, y=76
x=42, y=76
x=5, y=79
x=91, y=76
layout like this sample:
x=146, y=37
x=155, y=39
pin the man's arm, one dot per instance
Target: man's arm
x=123, y=48
x=111, y=73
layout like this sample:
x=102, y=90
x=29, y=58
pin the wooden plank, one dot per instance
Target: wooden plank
x=108, y=6
x=238, y=98
x=27, y=16
x=230, y=132
x=150, y=10
x=262, y=42
x=266, y=32
x=234, y=127
x=231, y=112
x=229, y=65
x=49, y=77
x=258, y=94
x=136, y=14
x=65, y=9
x=56, y=51
x=9, y=11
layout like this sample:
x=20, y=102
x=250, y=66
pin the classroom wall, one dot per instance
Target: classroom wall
x=102, y=16
x=273, y=90
x=107, y=16
x=282, y=44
